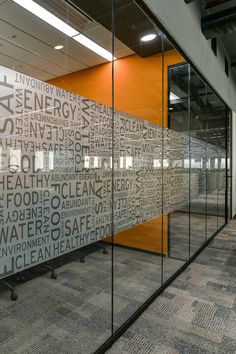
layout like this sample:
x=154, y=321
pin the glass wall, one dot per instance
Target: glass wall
x=198, y=156
x=212, y=173
x=113, y=169
x=139, y=227
x=229, y=164
x=177, y=148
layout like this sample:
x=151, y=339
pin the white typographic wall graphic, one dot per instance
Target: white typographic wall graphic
x=58, y=153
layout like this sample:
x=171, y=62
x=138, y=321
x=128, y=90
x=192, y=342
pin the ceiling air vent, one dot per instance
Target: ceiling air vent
x=68, y=12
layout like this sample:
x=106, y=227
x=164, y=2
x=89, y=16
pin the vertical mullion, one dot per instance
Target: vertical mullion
x=189, y=172
x=205, y=165
x=162, y=169
x=113, y=156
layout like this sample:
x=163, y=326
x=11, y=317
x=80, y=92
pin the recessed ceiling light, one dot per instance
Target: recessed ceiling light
x=47, y=16
x=58, y=47
x=96, y=48
x=148, y=37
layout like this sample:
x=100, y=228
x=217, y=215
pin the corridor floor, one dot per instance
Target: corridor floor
x=197, y=313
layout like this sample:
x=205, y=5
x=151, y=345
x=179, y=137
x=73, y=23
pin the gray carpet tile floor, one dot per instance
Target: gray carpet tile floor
x=197, y=313
x=72, y=314
x=200, y=219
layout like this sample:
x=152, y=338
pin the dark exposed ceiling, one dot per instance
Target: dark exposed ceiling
x=197, y=102
x=130, y=24
x=219, y=21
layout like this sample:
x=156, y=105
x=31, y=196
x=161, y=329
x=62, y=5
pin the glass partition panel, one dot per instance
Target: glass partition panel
x=56, y=148
x=212, y=164
x=138, y=241
x=198, y=157
x=221, y=139
x=176, y=166
x=229, y=163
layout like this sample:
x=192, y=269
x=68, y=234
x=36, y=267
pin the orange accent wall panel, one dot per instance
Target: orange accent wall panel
x=139, y=86
x=146, y=236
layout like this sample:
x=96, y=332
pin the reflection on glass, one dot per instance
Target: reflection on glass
x=177, y=149
x=15, y=160
x=198, y=153
x=216, y=135
x=138, y=93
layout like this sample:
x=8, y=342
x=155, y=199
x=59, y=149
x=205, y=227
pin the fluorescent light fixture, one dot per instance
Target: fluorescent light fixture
x=51, y=160
x=173, y=97
x=196, y=164
x=39, y=160
x=47, y=16
x=222, y=163
x=86, y=161
x=129, y=162
x=121, y=162
x=96, y=48
x=165, y=163
x=156, y=163
x=15, y=158
x=58, y=47
x=209, y=164
x=95, y=162
x=63, y=27
x=186, y=163
x=148, y=37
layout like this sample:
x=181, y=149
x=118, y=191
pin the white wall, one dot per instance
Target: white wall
x=183, y=23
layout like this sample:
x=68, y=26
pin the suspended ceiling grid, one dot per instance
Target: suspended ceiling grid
x=27, y=45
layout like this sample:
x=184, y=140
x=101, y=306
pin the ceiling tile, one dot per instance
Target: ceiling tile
x=40, y=48
x=24, y=68
x=29, y=42
x=24, y=20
